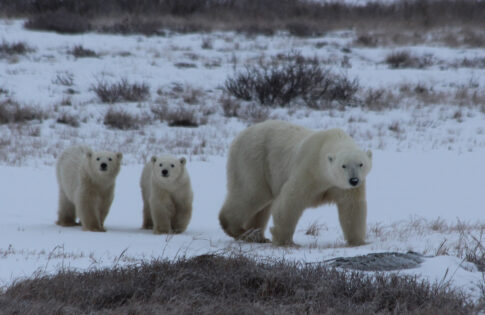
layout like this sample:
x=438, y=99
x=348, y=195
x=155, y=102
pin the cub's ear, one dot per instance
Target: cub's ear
x=369, y=154
x=331, y=158
x=182, y=161
x=119, y=155
x=154, y=159
x=89, y=154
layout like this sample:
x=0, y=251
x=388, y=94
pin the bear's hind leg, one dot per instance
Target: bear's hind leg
x=256, y=226
x=234, y=215
x=66, y=214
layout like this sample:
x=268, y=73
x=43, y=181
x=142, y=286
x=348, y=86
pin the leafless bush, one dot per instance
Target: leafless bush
x=15, y=48
x=121, y=91
x=207, y=43
x=12, y=112
x=60, y=21
x=366, y=40
x=254, y=113
x=68, y=119
x=64, y=78
x=229, y=105
x=404, y=59
x=378, y=99
x=211, y=284
x=286, y=78
x=79, y=51
x=314, y=229
x=303, y=29
x=121, y=119
x=185, y=65
x=180, y=116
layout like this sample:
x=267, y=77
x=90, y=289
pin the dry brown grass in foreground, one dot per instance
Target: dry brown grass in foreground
x=234, y=285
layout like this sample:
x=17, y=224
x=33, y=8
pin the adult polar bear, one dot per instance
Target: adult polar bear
x=281, y=169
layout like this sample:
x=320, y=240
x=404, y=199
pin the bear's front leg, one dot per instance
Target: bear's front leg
x=161, y=210
x=181, y=218
x=104, y=206
x=352, y=213
x=87, y=212
x=286, y=210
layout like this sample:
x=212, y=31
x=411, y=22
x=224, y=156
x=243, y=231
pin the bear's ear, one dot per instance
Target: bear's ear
x=182, y=161
x=154, y=159
x=331, y=158
x=119, y=156
x=89, y=154
x=369, y=154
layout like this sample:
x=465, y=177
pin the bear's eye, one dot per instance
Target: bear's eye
x=344, y=166
x=97, y=159
x=361, y=164
x=172, y=165
x=160, y=165
x=110, y=159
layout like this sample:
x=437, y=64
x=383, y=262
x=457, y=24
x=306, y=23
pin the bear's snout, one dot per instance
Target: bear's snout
x=164, y=173
x=354, y=181
x=103, y=166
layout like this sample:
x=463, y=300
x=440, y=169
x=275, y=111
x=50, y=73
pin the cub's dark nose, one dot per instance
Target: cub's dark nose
x=164, y=173
x=354, y=181
x=104, y=166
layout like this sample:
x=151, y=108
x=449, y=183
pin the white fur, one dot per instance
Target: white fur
x=167, y=198
x=86, y=191
x=280, y=169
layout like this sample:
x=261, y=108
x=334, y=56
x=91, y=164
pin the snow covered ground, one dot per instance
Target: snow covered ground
x=424, y=192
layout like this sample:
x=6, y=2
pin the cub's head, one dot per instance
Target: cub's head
x=167, y=169
x=349, y=168
x=104, y=163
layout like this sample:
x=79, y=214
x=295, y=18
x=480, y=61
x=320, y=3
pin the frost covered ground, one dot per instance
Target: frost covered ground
x=424, y=192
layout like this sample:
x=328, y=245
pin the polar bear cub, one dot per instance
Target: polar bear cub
x=167, y=195
x=280, y=169
x=86, y=186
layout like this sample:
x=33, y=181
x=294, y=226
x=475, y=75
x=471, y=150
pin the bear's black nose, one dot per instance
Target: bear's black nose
x=164, y=173
x=354, y=181
x=104, y=166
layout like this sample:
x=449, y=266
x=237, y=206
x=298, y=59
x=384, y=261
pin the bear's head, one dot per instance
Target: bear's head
x=104, y=164
x=349, y=169
x=167, y=169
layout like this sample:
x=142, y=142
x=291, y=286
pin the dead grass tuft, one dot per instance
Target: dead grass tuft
x=121, y=119
x=215, y=284
x=12, y=112
x=79, y=51
x=122, y=91
x=14, y=48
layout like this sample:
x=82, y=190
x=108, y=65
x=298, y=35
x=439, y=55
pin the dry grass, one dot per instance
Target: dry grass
x=13, y=112
x=179, y=116
x=236, y=285
x=14, y=48
x=404, y=59
x=79, y=51
x=121, y=119
x=68, y=119
x=122, y=91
